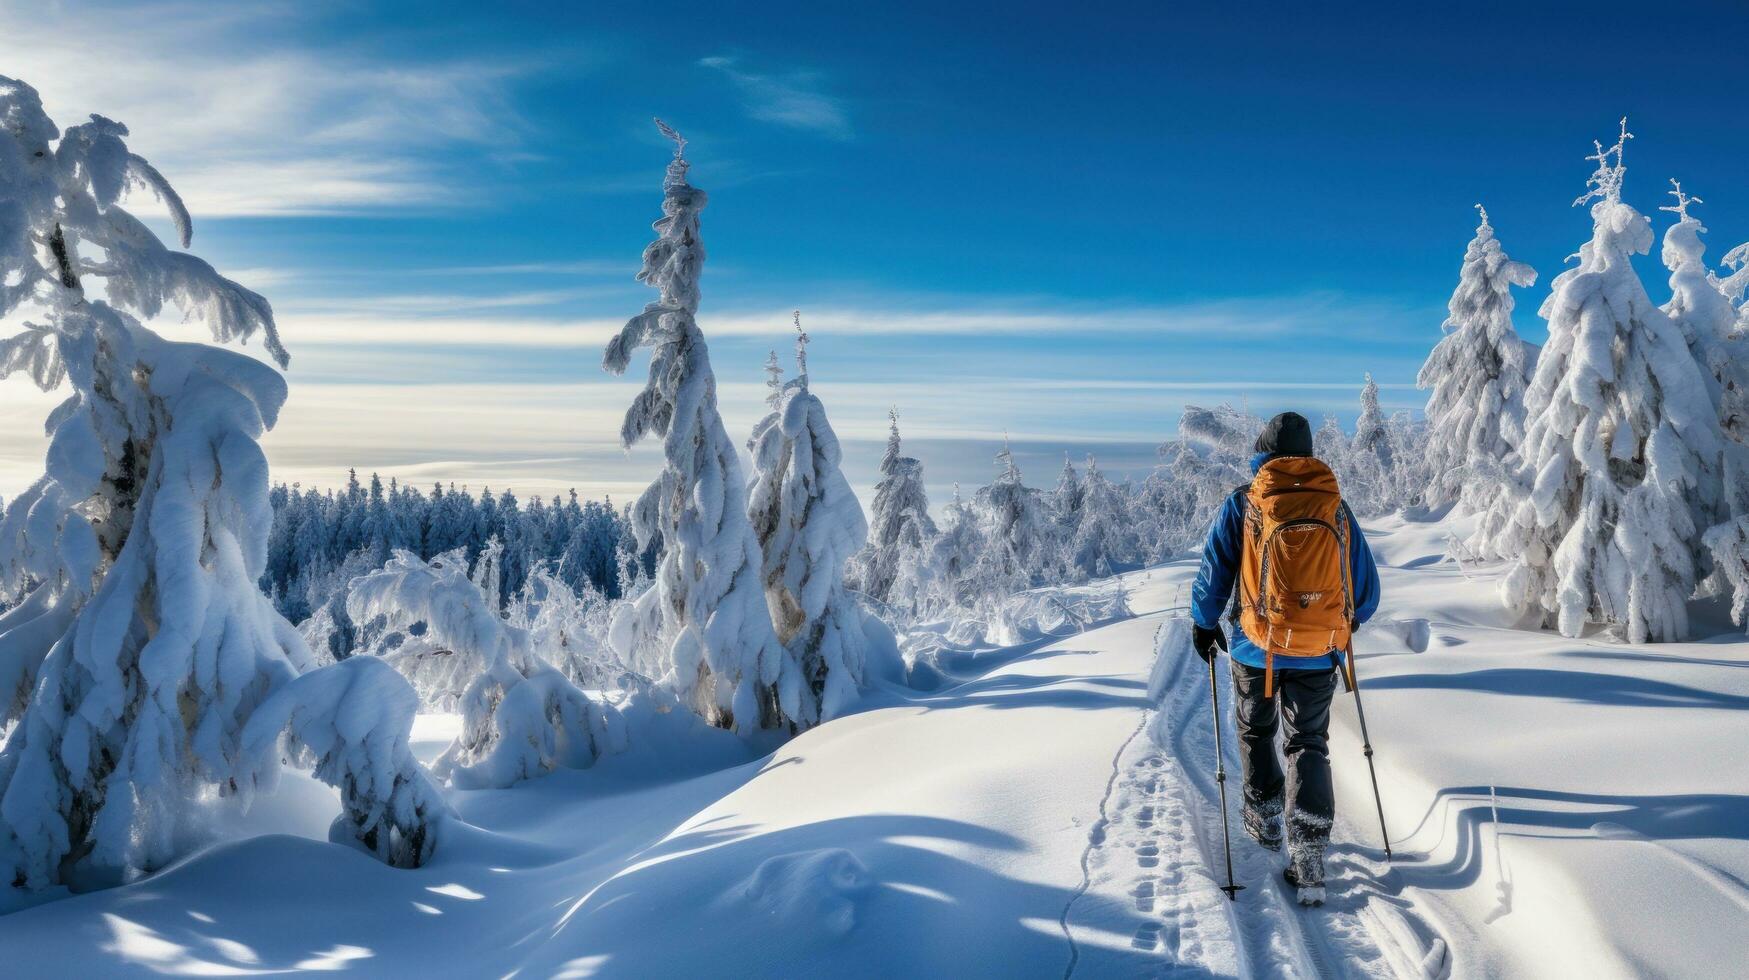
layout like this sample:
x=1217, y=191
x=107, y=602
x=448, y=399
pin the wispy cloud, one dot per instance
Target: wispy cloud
x=446, y=319
x=245, y=124
x=792, y=98
x=426, y=305
x=572, y=267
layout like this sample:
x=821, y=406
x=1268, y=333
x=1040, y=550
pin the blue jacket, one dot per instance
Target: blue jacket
x=1220, y=564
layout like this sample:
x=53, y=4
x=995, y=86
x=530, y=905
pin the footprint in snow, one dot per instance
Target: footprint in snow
x=1145, y=896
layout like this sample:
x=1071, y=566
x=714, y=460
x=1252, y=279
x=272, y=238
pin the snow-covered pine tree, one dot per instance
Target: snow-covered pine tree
x=954, y=553
x=1735, y=284
x=1621, y=443
x=1701, y=308
x=1018, y=552
x=1477, y=372
x=141, y=643
x=1065, y=500
x=1369, y=429
x=725, y=659
x=900, y=525
x=1105, y=535
x=773, y=382
x=809, y=522
x=1367, y=480
x=1330, y=443
x=1166, y=502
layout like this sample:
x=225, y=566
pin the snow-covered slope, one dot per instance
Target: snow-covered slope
x=1039, y=814
x=1563, y=807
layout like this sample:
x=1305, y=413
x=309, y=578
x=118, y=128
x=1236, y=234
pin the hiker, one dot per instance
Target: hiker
x=1289, y=535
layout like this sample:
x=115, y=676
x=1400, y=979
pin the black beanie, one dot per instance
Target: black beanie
x=1288, y=434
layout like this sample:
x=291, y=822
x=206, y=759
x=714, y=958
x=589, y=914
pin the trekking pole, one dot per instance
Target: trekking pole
x=1230, y=888
x=1366, y=745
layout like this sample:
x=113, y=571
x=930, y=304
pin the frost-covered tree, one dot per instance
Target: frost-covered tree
x=354, y=721
x=1166, y=505
x=140, y=644
x=1226, y=437
x=1477, y=372
x=1222, y=430
x=1702, y=309
x=1330, y=443
x=1105, y=535
x=566, y=629
x=1065, y=500
x=954, y=553
x=1621, y=443
x=707, y=606
x=1735, y=284
x=1369, y=429
x=521, y=717
x=809, y=522
x=900, y=527
x=1368, y=480
x=1019, y=550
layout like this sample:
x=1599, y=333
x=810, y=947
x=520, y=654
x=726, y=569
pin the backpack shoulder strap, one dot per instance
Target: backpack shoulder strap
x=1254, y=528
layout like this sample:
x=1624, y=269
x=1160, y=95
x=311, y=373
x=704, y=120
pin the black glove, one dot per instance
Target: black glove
x=1206, y=641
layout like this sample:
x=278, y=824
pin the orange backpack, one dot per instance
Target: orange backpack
x=1295, y=598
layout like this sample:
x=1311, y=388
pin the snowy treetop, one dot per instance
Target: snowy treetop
x=801, y=353
x=1680, y=208
x=676, y=176
x=1605, y=182
x=1222, y=428
x=56, y=197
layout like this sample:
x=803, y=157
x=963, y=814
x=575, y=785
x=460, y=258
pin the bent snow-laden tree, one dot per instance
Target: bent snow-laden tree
x=809, y=522
x=140, y=644
x=1621, y=447
x=354, y=719
x=521, y=716
x=1478, y=372
x=900, y=526
x=706, y=605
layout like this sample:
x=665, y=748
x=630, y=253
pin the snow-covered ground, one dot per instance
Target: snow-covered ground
x=1562, y=807
x=1558, y=807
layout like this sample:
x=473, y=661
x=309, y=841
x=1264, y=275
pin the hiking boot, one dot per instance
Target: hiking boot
x=1263, y=823
x=1308, y=895
x=1308, y=835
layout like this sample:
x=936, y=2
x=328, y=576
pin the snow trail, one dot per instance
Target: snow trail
x=1163, y=848
x=1095, y=838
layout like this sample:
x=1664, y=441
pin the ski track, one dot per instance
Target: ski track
x=1158, y=846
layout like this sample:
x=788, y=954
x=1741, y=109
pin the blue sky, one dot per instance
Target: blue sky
x=1063, y=224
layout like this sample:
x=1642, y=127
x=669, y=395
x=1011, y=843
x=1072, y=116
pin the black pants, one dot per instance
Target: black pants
x=1301, y=706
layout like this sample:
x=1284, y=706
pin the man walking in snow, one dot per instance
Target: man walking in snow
x=1306, y=580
